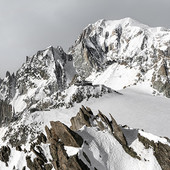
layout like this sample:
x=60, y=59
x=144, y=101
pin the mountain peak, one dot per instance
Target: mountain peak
x=128, y=43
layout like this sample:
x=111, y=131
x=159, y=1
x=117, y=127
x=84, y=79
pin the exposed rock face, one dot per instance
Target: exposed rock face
x=37, y=164
x=5, y=152
x=114, y=42
x=44, y=82
x=5, y=112
x=41, y=138
x=51, y=152
x=7, y=87
x=62, y=161
x=45, y=73
x=82, y=118
x=92, y=54
x=58, y=136
x=67, y=136
x=40, y=76
x=19, y=136
x=85, y=117
x=161, y=151
x=43, y=66
x=118, y=132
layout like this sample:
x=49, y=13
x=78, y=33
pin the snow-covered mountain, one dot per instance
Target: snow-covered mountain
x=119, y=67
x=126, y=53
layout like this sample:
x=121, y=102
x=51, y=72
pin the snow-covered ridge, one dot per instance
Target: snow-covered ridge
x=42, y=74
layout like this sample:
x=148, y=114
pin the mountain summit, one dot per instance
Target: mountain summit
x=124, y=47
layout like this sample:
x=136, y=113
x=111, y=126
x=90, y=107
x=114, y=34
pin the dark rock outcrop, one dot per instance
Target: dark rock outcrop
x=161, y=151
x=61, y=161
x=5, y=152
x=18, y=148
x=67, y=136
x=5, y=112
x=41, y=138
x=82, y=118
x=40, y=155
x=58, y=136
x=118, y=132
x=7, y=87
x=105, y=120
x=85, y=117
x=40, y=162
x=0, y=81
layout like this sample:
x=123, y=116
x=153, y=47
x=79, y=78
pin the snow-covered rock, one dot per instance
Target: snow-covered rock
x=128, y=45
x=43, y=74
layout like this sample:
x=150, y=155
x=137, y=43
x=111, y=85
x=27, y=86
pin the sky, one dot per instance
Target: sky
x=27, y=26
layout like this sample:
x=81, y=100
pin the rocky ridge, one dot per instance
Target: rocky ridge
x=52, y=151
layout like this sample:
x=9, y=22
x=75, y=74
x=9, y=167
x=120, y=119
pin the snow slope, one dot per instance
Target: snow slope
x=136, y=108
x=107, y=153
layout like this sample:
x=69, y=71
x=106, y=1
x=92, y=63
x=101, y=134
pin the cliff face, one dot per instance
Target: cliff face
x=47, y=80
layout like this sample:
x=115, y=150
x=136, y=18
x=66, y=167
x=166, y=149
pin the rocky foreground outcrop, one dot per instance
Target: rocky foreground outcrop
x=85, y=117
x=50, y=151
x=59, y=136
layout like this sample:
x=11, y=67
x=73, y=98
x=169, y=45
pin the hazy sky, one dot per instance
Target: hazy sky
x=27, y=26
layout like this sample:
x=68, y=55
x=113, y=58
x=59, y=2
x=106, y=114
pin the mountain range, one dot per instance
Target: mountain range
x=49, y=116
